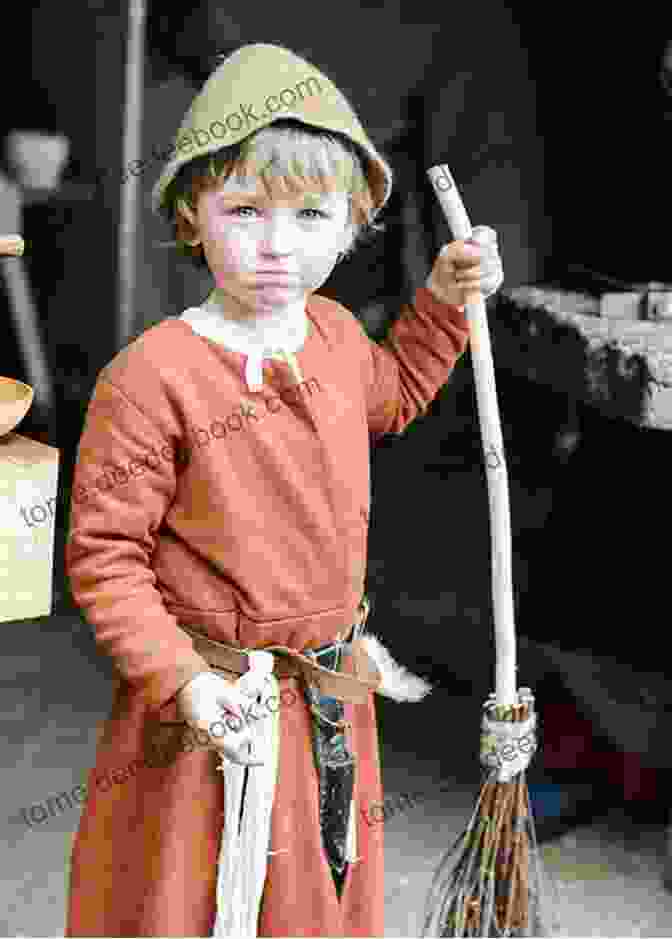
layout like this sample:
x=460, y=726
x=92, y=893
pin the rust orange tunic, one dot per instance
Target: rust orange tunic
x=252, y=527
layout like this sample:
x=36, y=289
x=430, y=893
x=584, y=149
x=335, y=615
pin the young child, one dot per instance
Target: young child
x=221, y=503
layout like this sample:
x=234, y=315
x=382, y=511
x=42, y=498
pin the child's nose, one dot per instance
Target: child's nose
x=279, y=237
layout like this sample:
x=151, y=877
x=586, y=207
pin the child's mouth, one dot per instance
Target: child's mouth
x=273, y=282
x=272, y=277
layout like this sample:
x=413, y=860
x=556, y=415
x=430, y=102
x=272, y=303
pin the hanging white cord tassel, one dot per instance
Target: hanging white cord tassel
x=243, y=858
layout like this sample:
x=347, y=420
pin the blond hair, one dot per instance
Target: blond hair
x=290, y=158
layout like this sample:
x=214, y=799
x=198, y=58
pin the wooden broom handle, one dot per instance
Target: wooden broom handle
x=493, y=450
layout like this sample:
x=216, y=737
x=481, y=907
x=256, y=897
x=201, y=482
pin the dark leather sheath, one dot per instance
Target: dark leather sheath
x=335, y=766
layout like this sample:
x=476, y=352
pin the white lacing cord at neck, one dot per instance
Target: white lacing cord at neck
x=254, y=376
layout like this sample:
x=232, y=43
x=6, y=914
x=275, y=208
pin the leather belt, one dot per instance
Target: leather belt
x=291, y=663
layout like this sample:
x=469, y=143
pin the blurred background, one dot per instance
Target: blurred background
x=557, y=131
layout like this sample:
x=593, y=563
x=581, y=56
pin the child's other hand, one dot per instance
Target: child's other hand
x=463, y=267
x=204, y=702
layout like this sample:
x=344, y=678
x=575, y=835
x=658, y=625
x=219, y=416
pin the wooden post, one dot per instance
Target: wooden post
x=131, y=151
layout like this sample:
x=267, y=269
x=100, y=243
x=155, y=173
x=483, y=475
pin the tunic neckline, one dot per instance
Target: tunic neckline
x=241, y=359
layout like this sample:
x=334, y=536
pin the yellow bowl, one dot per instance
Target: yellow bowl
x=15, y=401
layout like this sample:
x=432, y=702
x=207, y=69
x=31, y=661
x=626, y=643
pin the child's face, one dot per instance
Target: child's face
x=245, y=232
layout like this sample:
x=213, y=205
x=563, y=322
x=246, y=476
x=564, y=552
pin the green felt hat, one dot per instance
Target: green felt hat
x=254, y=86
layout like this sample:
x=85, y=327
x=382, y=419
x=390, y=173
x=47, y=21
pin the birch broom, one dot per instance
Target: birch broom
x=492, y=881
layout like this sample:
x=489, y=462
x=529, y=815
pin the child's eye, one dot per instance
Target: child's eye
x=240, y=208
x=320, y=213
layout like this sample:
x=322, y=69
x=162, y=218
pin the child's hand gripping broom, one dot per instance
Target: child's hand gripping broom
x=491, y=881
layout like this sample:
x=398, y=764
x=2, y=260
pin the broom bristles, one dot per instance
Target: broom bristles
x=488, y=884
x=492, y=881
